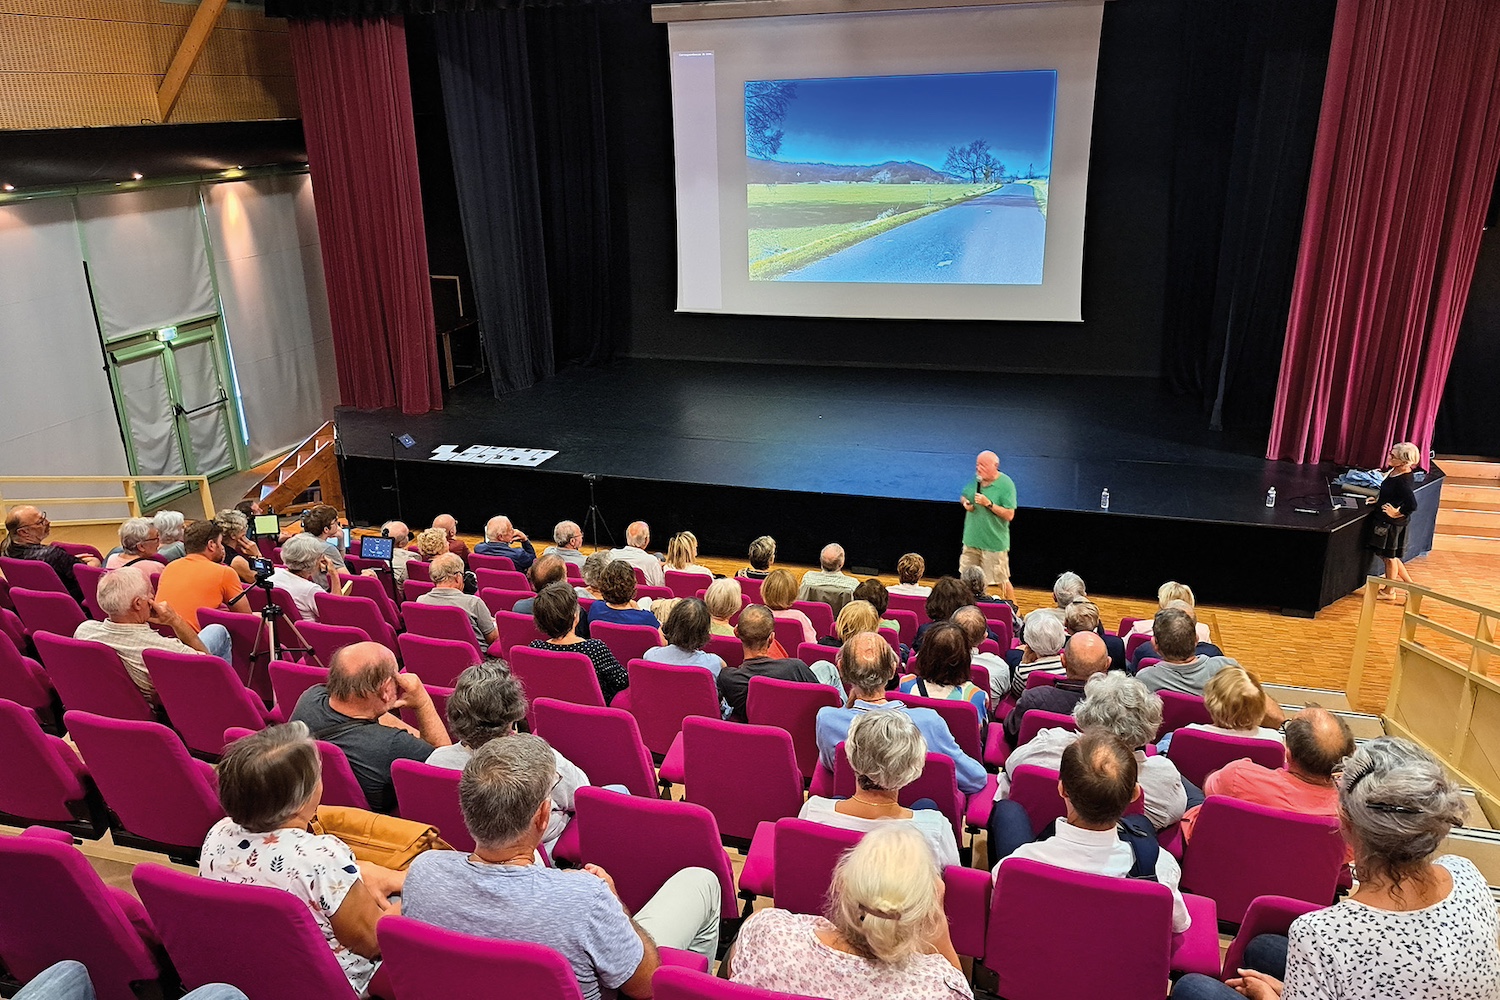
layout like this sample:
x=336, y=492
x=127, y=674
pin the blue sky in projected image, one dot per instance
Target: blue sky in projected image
x=866, y=120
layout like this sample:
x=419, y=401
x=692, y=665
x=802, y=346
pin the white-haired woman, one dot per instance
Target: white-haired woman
x=169, y=526
x=139, y=542
x=1416, y=925
x=886, y=752
x=723, y=600
x=1394, y=507
x=238, y=548
x=883, y=937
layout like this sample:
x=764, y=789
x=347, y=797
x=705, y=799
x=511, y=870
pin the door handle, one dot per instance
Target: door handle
x=206, y=406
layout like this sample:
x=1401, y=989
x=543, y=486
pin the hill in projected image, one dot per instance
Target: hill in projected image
x=905, y=179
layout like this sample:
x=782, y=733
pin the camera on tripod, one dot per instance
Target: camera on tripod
x=263, y=569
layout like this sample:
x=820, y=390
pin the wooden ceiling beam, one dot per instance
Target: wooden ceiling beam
x=188, y=50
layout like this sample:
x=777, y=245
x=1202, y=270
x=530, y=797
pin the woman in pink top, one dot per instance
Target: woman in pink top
x=139, y=543
x=777, y=593
x=885, y=936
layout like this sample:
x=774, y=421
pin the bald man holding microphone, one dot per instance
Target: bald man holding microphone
x=990, y=506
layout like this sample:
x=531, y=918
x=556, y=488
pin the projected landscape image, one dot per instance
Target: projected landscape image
x=906, y=179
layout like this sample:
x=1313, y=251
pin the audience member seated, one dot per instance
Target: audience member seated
x=682, y=555
x=171, y=526
x=546, y=571
x=1236, y=703
x=26, y=531
x=867, y=663
x=777, y=593
x=200, y=579
x=1083, y=616
x=637, y=537
x=499, y=536
x=976, y=630
x=431, y=543
x=400, y=536
x=501, y=891
x=942, y=669
x=238, y=548
x=351, y=711
x=948, y=595
x=125, y=597
x=1149, y=648
x=1185, y=670
x=756, y=633
x=829, y=583
x=1317, y=741
x=1121, y=706
x=270, y=784
x=449, y=527
x=322, y=522
x=723, y=598
x=486, y=704
x=593, y=569
x=1067, y=588
x=617, y=584
x=885, y=936
x=686, y=632
x=1042, y=648
x=1082, y=657
x=762, y=554
x=1168, y=595
x=909, y=571
x=1097, y=778
x=555, y=612
x=875, y=592
x=567, y=542
x=886, y=753
x=139, y=542
x=973, y=578
x=447, y=573
x=304, y=559
x=1417, y=925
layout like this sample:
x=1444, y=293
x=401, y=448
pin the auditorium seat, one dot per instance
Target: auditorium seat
x=325, y=640
x=436, y=661
x=907, y=620
x=1198, y=753
x=938, y=782
x=23, y=681
x=357, y=612
x=202, y=697
x=31, y=574
x=255, y=597
x=792, y=706
x=439, y=621
x=245, y=631
x=47, y=611
x=89, y=677
x=514, y=630
x=727, y=648
x=820, y=614
x=88, y=578
x=743, y=774
x=1178, y=710
x=662, y=695
x=1036, y=720
x=502, y=579
x=627, y=642
x=803, y=854
x=289, y=681
x=913, y=603
x=478, y=562
x=605, y=743
x=42, y=781
x=429, y=794
x=555, y=673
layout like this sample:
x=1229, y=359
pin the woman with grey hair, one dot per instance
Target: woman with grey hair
x=724, y=602
x=270, y=784
x=1045, y=632
x=238, y=548
x=887, y=753
x=883, y=936
x=486, y=704
x=973, y=577
x=1067, y=588
x=139, y=543
x=1416, y=925
x=169, y=525
x=593, y=568
x=762, y=555
x=304, y=556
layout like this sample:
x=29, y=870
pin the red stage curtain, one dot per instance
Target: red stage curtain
x=1407, y=150
x=355, y=90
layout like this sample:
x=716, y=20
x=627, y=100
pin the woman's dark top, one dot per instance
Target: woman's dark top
x=612, y=677
x=1399, y=493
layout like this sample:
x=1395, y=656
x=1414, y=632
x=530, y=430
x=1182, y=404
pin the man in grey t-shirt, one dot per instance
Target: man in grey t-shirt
x=447, y=575
x=500, y=892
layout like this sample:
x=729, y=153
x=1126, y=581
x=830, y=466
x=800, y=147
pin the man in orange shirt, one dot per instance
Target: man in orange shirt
x=200, y=579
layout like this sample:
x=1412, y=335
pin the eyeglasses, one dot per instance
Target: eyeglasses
x=41, y=519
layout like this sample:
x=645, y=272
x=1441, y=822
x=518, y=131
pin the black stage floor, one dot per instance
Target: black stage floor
x=875, y=459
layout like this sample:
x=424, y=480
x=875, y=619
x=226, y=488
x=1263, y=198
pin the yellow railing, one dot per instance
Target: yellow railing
x=127, y=498
x=1442, y=695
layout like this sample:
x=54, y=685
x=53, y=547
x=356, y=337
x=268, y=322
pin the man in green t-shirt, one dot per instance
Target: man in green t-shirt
x=991, y=505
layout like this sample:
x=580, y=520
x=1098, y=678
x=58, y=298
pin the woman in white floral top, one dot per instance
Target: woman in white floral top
x=270, y=784
x=885, y=936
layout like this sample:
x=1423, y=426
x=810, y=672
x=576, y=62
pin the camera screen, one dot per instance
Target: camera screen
x=262, y=567
x=266, y=526
x=371, y=547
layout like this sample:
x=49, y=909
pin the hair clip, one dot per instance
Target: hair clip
x=1391, y=807
x=1356, y=772
x=870, y=911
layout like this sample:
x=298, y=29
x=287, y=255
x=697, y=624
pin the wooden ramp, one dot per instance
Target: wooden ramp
x=1469, y=515
x=312, y=463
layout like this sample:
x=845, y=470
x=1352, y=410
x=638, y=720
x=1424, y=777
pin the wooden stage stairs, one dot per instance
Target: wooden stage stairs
x=1469, y=515
x=313, y=463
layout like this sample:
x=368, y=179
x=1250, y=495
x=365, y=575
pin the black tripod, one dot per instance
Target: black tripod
x=265, y=636
x=593, y=519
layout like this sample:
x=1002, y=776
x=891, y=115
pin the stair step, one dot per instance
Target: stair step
x=1288, y=694
x=1463, y=521
x=1470, y=468
x=1466, y=543
x=1470, y=493
x=1478, y=505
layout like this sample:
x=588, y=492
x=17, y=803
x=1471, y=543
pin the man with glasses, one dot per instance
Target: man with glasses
x=26, y=531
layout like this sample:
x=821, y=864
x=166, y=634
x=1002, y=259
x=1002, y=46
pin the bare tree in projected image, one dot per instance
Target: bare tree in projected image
x=974, y=159
x=765, y=109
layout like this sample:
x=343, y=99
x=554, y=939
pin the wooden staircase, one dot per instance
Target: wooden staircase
x=1469, y=516
x=312, y=463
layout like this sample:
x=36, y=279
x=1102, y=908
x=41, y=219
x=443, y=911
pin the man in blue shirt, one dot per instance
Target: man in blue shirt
x=499, y=533
x=866, y=663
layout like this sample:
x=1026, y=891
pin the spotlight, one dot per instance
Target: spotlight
x=137, y=176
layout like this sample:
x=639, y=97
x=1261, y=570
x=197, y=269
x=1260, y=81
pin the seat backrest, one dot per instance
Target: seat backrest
x=998, y=611
x=37, y=778
x=145, y=774
x=1035, y=790
x=22, y=679
x=812, y=652
x=80, y=549
x=419, y=570
x=961, y=716
x=326, y=640
x=792, y=706
x=664, y=694
x=938, y=782
x=1199, y=753
x=642, y=842
x=1241, y=850
x=906, y=621
x=627, y=642
x=502, y=579
x=515, y=630
x=1126, y=624
x=436, y=661
x=1134, y=642
x=440, y=621
x=820, y=614
x=291, y=680
x=1035, y=720
x=89, y=677
x=503, y=600
x=429, y=794
x=750, y=588
x=1042, y=678
x=88, y=578
x=1266, y=915
x=425, y=962
x=340, y=786
x=1179, y=709
x=31, y=574
x=788, y=632
x=805, y=855
x=727, y=648
x=280, y=596
x=744, y=774
x=243, y=631
x=47, y=610
x=357, y=612
x=12, y=628
x=892, y=638
x=914, y=603
x=78, y=918
x=604, y=742
x=1129, y=921
x=676, y=983
x=222, y=932
x=202, y=697
x=376, y=590
x=683, y=584
x=413, y=589
x=478, y=561
x=553, y=673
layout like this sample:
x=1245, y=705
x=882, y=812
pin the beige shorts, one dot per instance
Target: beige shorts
x=996, y=565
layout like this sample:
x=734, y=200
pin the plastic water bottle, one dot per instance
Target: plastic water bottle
x=1104, y=500
x=1271, y=497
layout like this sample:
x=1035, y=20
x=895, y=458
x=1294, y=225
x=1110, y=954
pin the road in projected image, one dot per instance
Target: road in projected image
x=915, y=179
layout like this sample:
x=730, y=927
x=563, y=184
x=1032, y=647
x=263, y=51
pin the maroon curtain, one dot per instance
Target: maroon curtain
x=353, y=82
x=1407, y=150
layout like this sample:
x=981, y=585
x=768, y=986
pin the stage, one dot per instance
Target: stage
x=875, y=459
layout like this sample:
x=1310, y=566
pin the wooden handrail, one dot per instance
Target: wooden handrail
x=127, y=496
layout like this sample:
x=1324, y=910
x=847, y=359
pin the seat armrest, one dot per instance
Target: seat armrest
x=680, y=959
x=966, y=902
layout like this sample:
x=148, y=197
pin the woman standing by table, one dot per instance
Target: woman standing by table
x=1394, y=506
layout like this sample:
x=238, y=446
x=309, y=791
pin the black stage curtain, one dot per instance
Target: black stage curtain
x=1468, y=421
x=524, y=111
x=1245, y=145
